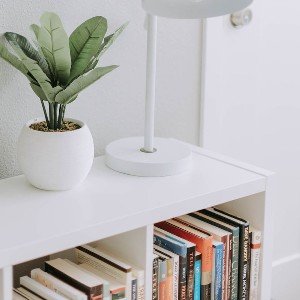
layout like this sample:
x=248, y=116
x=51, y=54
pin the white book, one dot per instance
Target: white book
x=255, y=244
x=114, y=285
x=18, y=295
x=137, y=272
x=38, y=289
x=27, y=294
x=89, y=271
x=107, y=264
x=175, y=268
x=57, y=285
x=74, y=276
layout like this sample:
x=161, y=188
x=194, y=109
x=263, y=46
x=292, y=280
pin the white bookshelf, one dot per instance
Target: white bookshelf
x=119, y=211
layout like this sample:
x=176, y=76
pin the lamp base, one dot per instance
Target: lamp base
x=126, y=156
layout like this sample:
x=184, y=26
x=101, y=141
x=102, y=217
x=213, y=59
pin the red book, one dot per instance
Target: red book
x=203, y=241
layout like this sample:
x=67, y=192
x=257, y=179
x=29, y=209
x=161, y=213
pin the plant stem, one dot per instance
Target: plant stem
x=55, y=115
x=51, y=115
x=45, y=113
x=63, y=113
x=60, y=116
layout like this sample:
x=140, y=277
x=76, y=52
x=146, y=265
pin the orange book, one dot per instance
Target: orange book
x=169, y=279
x=203, y=242
x=162, y=278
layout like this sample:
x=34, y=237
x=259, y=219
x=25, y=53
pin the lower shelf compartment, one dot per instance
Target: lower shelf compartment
x=136, y=246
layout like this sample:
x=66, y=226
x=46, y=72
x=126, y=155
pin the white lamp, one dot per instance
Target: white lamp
x=150, y=156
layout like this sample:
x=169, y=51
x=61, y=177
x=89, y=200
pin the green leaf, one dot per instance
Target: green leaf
x=81, y=83
x=107, y=42
x=42, y=79
x=54, y=43
x=20, y=41
x=13, y=60
x=38, y=91
x=35, y=29
x=84, y=44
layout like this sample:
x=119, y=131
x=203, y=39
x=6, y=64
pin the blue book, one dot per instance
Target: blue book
x=218, y=248
x=197, y=276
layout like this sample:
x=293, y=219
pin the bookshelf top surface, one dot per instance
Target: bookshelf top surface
x=34, y=223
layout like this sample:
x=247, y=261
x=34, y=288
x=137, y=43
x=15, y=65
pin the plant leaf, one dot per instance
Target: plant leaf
x=20, y=41
x=81, y=83
x=54, y=43
x=84, y=44
x=35, y=29
x=38, y=91
x=107, y=42
x=42, y=79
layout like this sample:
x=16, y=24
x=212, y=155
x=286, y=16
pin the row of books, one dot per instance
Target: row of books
x=97, y=275
x=208, y=254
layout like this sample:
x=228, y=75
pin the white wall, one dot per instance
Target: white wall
x=114, y=107
x=252, y=112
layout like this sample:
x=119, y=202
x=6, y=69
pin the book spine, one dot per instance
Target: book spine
x=218, y=272
x=134, y=289
x=255, y=258
x=229, y=283
x=182, y=265
x=155, y=279
x=197, y=278
x=245, y=265
x=235, y=264
x=175, y=277
x=206, y=270
x=169, y=280
x=182, y=278
x=190, y=272
x=213, y=274
x=162, y=280
x=125, y=278
x=94, y=293
x=225, y=268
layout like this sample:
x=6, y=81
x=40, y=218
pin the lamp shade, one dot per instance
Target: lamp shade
x=193, y=9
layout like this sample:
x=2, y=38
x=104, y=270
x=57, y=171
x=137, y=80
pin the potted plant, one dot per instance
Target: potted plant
x=56, y=153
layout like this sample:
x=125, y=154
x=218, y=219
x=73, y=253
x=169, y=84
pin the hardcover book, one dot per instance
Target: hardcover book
x=75, y=277
x=255, y=244
x=27, y=294
x=218, y=250
x=104, y=262
x=197, y=276
x=38, y=289
x=155, y=278
x=220, y=235
x=203, y=242
x=175, y=271
x=190, y=257
x=244, y=248
x=172, y=243
x=57, y=285
x=162, y=278
x=169, y=276
x=116, y=290
x=230, y=270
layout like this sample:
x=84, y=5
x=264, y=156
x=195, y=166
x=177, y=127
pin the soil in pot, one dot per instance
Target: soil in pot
x=67, y=126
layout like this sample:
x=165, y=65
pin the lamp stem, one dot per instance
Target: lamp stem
x=151, y=84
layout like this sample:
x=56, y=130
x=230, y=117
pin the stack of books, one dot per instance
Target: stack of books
x=208, y=255
x=97, y=275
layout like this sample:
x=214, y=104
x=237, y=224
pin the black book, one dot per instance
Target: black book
x=75, y=277
x=244, y=248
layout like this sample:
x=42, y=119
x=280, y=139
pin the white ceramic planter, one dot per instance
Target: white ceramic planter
x=55, y=161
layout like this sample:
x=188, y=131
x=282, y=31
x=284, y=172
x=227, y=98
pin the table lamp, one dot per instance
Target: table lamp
x=152, y=156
